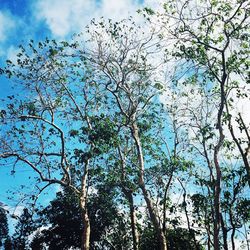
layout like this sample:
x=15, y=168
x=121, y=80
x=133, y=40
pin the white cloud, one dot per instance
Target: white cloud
x=11, y=53
x=64, y=17
x=7, y=24
x=241, y=104
x=118, y=9
x=56, y=15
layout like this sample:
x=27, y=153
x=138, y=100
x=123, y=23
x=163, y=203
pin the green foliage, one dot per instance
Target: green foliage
x=23, y=229
x=104, y=133
x=243, y=209
x=4, y=230
x=63, y=223
x=178, y=239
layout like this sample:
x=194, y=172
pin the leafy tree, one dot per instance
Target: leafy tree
x=210, y=39
x=8, y=244
x=178, y=239
x=23, y=229
x=51, y=129
x=125, y=70
x=61, y=226
x=4, y=230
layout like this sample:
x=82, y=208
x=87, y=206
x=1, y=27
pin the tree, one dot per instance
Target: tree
x=211, y=39
x=52, y=72
x=178, y=239
x=23, y=229
x=61, y=229
x=50, y=130
x=4, y=230
x=123, y=66
x=61, y=225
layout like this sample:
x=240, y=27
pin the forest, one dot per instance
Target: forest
x=143, y=127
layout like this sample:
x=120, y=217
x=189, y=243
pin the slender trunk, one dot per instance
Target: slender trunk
x=129, y=196
x=216, y=156
x=231, y=217
x=208, y=243
x=246, y=235
x=232, y=239
x=224, y=232
x=135, y=234
x=208, y=218
x=85, y=239
x=191, y=232
x=217, y=193
x=243, y=154
x=165, y=203
x=238, y=144
x=233, y=229
x=133, y=224
x=85, y=243
x=150, y=206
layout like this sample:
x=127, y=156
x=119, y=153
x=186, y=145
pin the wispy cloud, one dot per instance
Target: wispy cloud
x=61, y=18
x=64, y=17
x=6, y=25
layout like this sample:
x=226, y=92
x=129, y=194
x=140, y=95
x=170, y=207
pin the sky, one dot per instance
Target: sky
x=23, y=20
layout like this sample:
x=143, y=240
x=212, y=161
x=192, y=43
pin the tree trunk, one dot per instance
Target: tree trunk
x=217, y=148
x=243, y=154
x=217, y=207
x=129, y=196
x=153, y=217
x=150, y=206
x=233, y=230
x=85, y=241
x=165, y=203
x=224, y=232
x=191, y=232
x=135, y=234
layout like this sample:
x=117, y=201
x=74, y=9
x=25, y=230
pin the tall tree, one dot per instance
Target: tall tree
x=211, y=39
x=123, y=66
x=107, y=113
x=50, y=128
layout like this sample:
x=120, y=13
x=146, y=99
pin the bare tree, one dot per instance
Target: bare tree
x=124, y=68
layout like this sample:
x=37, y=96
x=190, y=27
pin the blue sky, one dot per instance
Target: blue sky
x=22, y=20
